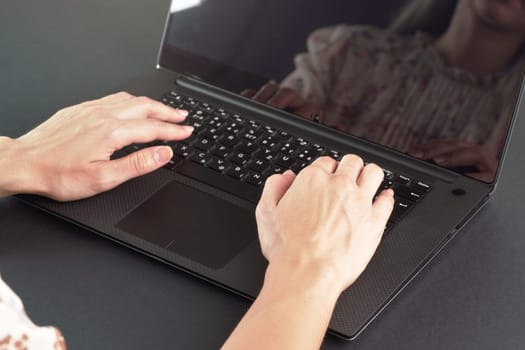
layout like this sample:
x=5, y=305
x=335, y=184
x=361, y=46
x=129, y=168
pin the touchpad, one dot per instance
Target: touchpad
x=195, y=224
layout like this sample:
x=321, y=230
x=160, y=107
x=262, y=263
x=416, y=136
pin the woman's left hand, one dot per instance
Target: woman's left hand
x=68, y=156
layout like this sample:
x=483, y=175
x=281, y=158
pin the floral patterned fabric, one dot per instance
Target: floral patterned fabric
x=17, y=332
x=396, y=90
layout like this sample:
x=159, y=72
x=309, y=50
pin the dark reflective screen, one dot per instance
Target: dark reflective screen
x=437, y=79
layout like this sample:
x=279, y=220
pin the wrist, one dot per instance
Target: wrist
x=17, y=171
x=294, y=277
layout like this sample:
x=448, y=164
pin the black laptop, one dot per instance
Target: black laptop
x=271, y=85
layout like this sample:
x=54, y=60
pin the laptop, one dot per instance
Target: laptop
x=271, y=85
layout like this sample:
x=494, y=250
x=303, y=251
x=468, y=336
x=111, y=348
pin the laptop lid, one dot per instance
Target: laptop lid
x=381, y=70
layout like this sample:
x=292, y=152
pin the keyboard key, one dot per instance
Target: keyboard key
x=182, y=150
x=401, y=207
x=230, y=140
x=220, y=112
x=274, y=169
x=300, y=142
x=207, y=107
x=212, y=133
x=204, y=144
x=406, y=193
x=335, y=154
x=288, y=149
x=259, y=165
x=388, y=175
x=233, y=128
x=402, y=179
x=174, y=161
x=237, y=172
x=265, y=154
x=248, y=147
x=421, y=186
x=239, y=158
x=268, y=142
x=200, y=158
x=219, y=165
x=222, y=151
x=284, y=160
x=254, y=178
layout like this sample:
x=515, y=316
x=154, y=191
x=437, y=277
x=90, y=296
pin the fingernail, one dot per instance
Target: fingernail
x=183, y=112
x=188, y=128
x=416, y=154
x=440, y=160
x=288, y=172
x=390, y=192
x=162, y=154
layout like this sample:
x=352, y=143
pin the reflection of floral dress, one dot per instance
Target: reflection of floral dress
x=17, y=332
x=396, y=90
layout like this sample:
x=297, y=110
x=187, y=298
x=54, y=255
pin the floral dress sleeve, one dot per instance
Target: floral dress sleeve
x=338, y=58
x=18, y=332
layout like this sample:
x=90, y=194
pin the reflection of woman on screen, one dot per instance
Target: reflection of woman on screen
x=440, y=91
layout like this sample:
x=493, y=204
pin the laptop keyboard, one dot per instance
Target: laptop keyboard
x=237, y=154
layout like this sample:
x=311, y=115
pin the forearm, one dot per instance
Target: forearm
x=292, y=311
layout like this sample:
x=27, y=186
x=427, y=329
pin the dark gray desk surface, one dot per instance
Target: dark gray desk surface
x=103, y=296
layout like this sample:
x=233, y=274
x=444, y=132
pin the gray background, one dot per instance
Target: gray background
x=103, y=296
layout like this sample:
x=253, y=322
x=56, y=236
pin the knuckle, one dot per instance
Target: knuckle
x=122, y=94
x=375, y=169
x=140, y=161
x=354, y=159
x=144, y=100
x=324, y=160
x=311, y=170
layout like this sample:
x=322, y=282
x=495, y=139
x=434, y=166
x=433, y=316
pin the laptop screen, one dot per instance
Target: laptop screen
x=436, y=79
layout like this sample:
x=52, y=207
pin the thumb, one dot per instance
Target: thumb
x=137, y=163
x=274, y=189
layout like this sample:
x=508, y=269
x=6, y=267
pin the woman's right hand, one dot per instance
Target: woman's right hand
x=323, y=223
x=283, y=98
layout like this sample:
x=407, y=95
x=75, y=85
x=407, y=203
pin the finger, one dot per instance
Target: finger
x=382, y=209
x=326, y=163
x=275, y=188
x=309, y=110
x=144, y=107
x=136, y=164
x=370, y=178
x=147, y=130
x=351, y=165
x=265, y=92
x=286, y=98
x=434, y=148
x=248, y=93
